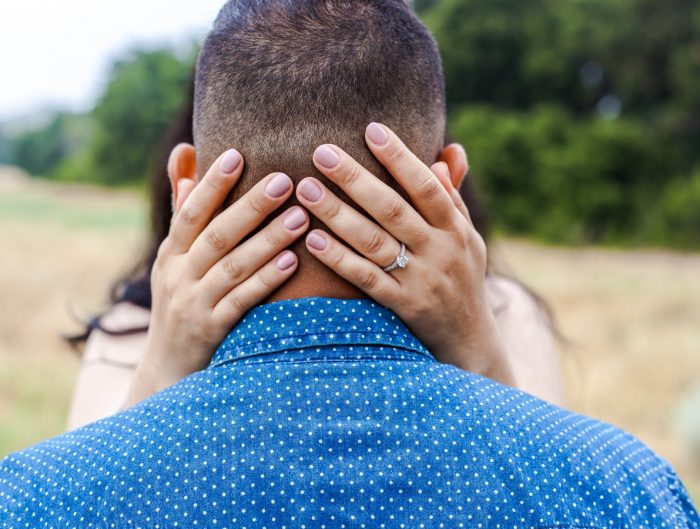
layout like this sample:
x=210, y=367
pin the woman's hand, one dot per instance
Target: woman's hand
x=206, y=278
x=441, y=294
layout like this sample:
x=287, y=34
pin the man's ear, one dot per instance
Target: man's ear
x=182, y=171
x=455, y=157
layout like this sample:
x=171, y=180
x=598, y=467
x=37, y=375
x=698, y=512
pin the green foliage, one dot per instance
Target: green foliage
x=548, y=174
x=527, y=84
x=423, y=5
x=115, y=142
x=144, y=92
x=40, y=150
x=581, y=117
x=677, y=215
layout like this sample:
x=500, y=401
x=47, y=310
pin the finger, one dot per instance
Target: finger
x=382, y=203
x=237, y=221
x=355, y=269
x=203, y=202
x=242, y=262
x=185, y=188
x=441, y=170
x=256, y=289
x=354, y=228
x=425, y=190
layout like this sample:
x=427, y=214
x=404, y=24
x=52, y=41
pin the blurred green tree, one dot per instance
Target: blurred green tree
x=40, y=150
x=547, y=174
x=145, y=90
x=581, y=117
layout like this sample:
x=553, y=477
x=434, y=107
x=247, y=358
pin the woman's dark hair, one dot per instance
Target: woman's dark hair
x=135, y=287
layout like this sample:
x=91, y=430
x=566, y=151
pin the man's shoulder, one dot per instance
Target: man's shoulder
x=46, y=485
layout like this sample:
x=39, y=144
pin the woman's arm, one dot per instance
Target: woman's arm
x=441, y=293
x=108, y=365
x=212, y=268
x=528, y=339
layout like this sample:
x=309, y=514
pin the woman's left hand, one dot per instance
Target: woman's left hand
x=441, y=293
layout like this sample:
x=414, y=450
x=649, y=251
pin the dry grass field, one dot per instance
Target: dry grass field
x=632, y=318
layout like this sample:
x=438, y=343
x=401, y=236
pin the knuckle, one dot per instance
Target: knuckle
x=233, y=269
x=374, y=241
x=238, y=305
x=255, y=204
x=188, y=215
x=479, y=248
x=430, y=188
x=267, y=282
x=349, y=174
x=395, y=153
x=178, y=308
x=394, y=210
x=369, y=280
x=272, y=237
x=169, y=286
x=163, y=252
x=216, y=239
x=333, y=209
x=216, y=182
x=421, y=236
x=337, y=259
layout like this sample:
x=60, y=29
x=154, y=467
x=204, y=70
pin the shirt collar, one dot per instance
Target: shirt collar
x=316, y=323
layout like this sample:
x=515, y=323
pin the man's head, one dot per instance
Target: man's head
x=277, y=78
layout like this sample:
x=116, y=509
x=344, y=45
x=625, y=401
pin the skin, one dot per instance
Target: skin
x=205, y=279
x=442, y=241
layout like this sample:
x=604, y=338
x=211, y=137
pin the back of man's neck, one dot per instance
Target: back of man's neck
x=313, y=279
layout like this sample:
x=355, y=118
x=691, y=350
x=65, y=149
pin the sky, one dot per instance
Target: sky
x=57, y=53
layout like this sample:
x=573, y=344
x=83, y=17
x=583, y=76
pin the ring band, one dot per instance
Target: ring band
x=401, y=260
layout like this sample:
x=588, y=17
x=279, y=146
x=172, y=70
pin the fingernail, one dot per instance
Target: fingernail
x=286, y=261
x=326, y=157
x=295, y=219
x=230, y=161
x=279, y=185
x=377, y=134
x=310, y=191
x=316, y=241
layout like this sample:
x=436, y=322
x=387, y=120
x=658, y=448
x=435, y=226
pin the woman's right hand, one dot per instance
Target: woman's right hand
x=207, y=275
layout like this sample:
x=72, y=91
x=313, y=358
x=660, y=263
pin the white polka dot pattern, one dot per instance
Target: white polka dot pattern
x=323, y=414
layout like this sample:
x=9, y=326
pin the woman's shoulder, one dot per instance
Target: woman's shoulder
x=125, y=316
x=509, y=297
x=119, y=335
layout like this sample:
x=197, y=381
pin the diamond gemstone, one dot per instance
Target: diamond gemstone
x=402, y=261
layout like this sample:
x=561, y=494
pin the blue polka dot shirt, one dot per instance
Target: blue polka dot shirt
x=321, y=413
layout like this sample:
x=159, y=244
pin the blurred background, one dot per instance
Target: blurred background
x=582, y=123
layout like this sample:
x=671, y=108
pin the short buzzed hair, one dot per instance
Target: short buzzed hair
x=277, y=78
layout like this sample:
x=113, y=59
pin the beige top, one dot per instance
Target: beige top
x=109, y=361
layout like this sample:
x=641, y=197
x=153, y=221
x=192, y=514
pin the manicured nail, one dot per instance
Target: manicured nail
x=295, y=219
x=327, y=157
x=310, y=191
x=377, y=134
x=316, y=241
x=230, y=161
x=279, y=185
x=286, y=261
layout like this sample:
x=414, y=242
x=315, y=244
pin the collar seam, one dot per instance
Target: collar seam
x=246, y=352
x=322, y=360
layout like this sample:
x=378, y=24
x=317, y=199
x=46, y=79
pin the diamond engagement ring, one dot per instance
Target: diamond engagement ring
x=401, y=260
